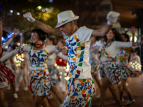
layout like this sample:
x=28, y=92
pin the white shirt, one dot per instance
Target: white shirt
x=135, y=59
x=112, y=49
x=51, y=59
x=79, y=43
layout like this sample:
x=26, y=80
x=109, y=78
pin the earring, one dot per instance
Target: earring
x=114, y=39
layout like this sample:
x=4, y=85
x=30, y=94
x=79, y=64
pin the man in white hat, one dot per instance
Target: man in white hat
x=80, y=85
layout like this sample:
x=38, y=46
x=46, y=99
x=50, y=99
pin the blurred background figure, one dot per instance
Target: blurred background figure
x=22, y=62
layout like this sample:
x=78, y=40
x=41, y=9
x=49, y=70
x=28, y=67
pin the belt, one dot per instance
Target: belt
x=120, y=58
x=107, y=61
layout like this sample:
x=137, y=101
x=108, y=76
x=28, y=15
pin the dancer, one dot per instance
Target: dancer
x=95, y=63
x=110, y=70
x=62, y=65
x=135, y=58
x=122, y=59
x=8, y=64
x=5, y=73
x=53, y=71
x=22, y=71
x=80, y=85
x=40, y=84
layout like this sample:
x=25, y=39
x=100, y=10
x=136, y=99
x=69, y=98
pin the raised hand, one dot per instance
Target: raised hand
x=29, y=17
x=112, y=17
x=14, y=35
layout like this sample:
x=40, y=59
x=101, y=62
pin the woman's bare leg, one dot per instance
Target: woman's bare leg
x=45, y=103
x=105, y=84
x=54, y=102
x=97, y=80
x=115, y=94
x=121, y=89
x=38, y=100
x=3, y=103
x=13, y=86
x=127, y=90
x=58, y=94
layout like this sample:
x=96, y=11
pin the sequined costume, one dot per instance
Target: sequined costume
x=122, y=59
x=6, y=75
x=80, y=85
x=40, y=83
x=109, y=66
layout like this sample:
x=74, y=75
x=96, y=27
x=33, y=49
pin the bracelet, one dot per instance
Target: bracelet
x=137, y=43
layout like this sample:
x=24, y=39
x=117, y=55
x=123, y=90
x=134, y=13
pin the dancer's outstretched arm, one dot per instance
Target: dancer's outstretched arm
x=111, y=19
x=44, y=27
x=64, y=57
x=18, y=50
x=127, y=44
x=1, y=33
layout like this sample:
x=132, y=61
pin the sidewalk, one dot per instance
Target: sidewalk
x=25, y=98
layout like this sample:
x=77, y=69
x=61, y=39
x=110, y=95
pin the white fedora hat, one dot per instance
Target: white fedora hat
x=65, y=17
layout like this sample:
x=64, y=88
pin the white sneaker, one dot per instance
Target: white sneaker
x=15, y=95
x=61, y=105
x=98, y=96
x=25, y=88
x=17, y=89
x=130, y=102
x=127, y=84
x=120, y=100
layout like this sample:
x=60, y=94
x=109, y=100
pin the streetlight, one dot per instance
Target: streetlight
x=39, y=7
x=11, y=11
x=18, y=13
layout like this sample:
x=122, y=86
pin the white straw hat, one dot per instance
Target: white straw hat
x=65, y=17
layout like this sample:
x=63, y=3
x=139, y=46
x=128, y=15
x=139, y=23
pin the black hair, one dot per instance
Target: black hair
x=52, y=39
x=117, y=35
x=126, y=36
x=42, y=35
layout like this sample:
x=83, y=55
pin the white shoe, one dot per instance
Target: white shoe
x=15, y=95
x=17, y=89
x=25, y=88
x=120, y=100
x=130, y=102
x=98, y=96
x=61, y=105
x=127, y=84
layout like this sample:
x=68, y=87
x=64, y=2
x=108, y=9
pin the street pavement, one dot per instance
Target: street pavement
x=25, y=98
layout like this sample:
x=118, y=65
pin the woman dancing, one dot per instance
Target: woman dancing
x=95, y=63
x=6, y=74
x=122, y=59
x=110, y=71
x=40, y=84
x=53, y=71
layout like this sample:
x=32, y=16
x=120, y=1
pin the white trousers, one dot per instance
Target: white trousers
x=63, y=81
x=24, y=73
